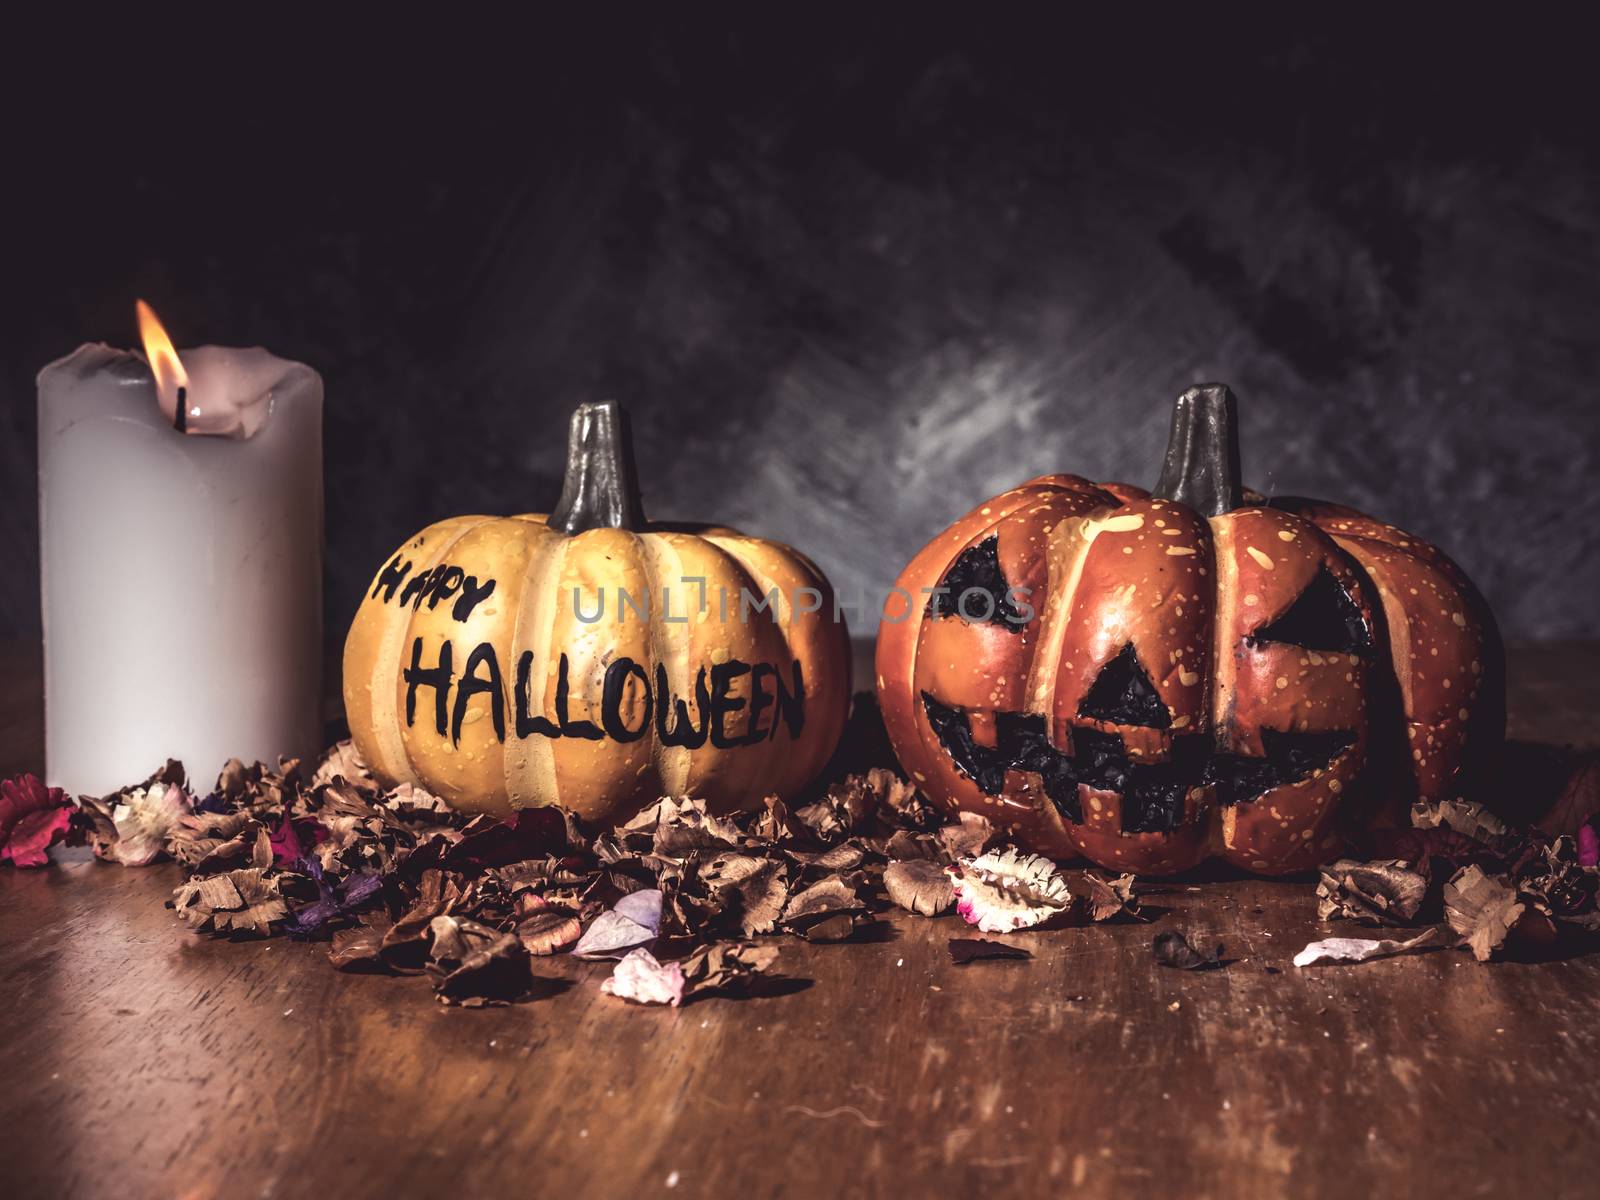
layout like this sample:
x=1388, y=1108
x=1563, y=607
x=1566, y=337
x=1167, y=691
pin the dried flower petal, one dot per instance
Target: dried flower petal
x=966, y=950
x=334, y=901
x=970, y=836
x=726, y=967
x=1109, y=898
x=919, y=885
x=547, y=927
x=344, y=761
x=1588, y=846
x=476, y=965
x=1463, y=816
x=1334, y=950
x=825, y=911
x=753, y=890
x=846, y=856
x=634, y=921
x=901, y=798
x=487, y=842
x=843, y=809
x=1007, y=890
x=360, y=946
x=32, y=819
x=144, y=819
x=1482, y=909
x=1172, y=949
x=243, y=901
x=640, y=978
x=1375, y=893
x=678, y=826
x=408, y=800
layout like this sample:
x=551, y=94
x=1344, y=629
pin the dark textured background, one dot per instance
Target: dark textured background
x=849, y=279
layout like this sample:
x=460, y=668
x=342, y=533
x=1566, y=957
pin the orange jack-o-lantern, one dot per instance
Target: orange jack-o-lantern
x=1151, y=679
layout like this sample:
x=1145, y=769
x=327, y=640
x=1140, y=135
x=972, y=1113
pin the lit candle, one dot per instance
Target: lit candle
x=180, y=512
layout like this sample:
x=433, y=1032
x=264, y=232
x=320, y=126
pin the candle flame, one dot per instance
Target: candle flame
x=172, y=381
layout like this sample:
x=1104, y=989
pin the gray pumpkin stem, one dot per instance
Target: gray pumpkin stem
x=601, y=487
x=1201, y=468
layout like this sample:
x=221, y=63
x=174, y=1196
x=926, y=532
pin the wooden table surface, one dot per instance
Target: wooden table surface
x=141, y=1060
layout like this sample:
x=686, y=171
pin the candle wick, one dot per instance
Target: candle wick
x=180, y=419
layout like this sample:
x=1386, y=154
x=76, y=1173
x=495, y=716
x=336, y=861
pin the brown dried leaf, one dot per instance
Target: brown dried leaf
x=1387, y=892
x=1109, y=898
x=1172, y=949
x=919, y=885
x=900, y=797
x=678, y=826
x=264, y=792
x=903, y=845
x=405, y=943
x=242, y=901
x=198, y=834
x=830, y=902
x=543, y=927
x=343, y=761
x=753, y=890
x=773, y=824
x=845, y=808
x=970, y=836
x=966, y=950
x=475, y=965
x=1465, y=817
x=360, y=945
x=408, y=800
x=251, y=846
x=1481, y=909
x=846, y=856
x=726, y=967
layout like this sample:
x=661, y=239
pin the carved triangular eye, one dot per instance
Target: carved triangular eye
x=1123, y=694
x=1323, y=618
x=975, y=589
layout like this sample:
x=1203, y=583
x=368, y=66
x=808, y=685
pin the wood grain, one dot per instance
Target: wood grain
x=142, y=1060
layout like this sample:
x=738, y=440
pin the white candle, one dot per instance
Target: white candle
x=181, y=570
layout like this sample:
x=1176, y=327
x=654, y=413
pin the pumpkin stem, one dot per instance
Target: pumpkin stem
x=601, y=487
x=1201, y=468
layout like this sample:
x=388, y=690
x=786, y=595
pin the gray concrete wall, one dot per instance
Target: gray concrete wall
x=851, y=283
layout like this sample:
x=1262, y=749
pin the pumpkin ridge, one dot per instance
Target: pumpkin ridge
x=744, y=553
x=387, y=679
x=529, y=763
x=671, y=647
x=1045, y=670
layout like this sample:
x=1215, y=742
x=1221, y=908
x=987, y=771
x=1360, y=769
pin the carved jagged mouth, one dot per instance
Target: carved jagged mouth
x=1152, y=793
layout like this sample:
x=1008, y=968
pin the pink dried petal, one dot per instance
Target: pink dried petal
x=32, y=819
x=287, y=846
x=144, y=820
x=1006, y=890
x=1588, y=846
x=640, y=978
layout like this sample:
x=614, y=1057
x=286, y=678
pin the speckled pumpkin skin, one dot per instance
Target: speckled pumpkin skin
x=1108, y=566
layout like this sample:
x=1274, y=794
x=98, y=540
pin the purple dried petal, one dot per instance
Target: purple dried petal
x=642, y=908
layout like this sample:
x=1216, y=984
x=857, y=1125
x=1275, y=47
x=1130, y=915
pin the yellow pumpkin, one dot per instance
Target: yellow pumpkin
x=591, y=660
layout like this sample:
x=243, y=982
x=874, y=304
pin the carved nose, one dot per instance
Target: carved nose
x=1123, y=694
